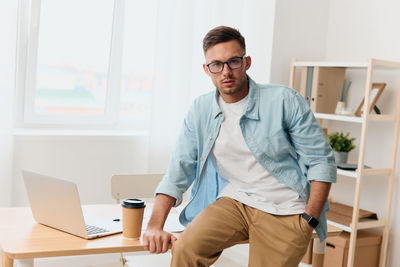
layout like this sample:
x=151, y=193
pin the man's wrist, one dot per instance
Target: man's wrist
x=312, y=221
x=155, y=224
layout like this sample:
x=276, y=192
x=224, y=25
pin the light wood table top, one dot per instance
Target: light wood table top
x=21, y=237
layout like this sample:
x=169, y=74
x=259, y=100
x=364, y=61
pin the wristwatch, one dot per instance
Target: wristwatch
x=310, y=220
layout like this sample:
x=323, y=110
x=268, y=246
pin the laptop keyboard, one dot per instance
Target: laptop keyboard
x=92, y=230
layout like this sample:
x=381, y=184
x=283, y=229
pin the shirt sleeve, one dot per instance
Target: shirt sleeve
x=309, y=141
x=183, y=164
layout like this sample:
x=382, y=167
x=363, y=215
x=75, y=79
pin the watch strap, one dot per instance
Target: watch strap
x=310, y=220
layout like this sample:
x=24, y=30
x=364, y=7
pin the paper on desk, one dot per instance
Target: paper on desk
x=171, y=225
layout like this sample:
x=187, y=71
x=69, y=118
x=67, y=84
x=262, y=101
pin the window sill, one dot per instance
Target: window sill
x=76, y=132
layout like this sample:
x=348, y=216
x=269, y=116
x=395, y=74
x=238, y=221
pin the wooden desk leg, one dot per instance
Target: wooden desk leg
x=318, y=253
x=24, y=263
x=6, y=261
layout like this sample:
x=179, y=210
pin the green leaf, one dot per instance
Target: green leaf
x=340, y=142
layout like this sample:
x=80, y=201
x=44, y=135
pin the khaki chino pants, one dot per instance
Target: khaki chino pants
x=275, y=240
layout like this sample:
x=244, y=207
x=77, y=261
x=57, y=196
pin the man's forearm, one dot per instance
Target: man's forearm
x=318, y=196
x=161, y=208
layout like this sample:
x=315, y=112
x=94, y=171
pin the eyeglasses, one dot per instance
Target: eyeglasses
x=218, y=66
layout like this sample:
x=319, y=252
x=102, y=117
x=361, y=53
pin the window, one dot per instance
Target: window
x=138, y=61
x=73, y=57
x=89, y=63
x=123, y=64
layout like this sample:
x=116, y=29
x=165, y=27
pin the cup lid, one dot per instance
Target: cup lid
x=133, y=203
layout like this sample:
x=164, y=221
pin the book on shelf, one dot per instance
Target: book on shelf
x=321, y=87
x=349, y=166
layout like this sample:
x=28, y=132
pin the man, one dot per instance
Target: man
x=260, y=166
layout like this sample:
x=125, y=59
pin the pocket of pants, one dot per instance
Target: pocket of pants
x=304, y=227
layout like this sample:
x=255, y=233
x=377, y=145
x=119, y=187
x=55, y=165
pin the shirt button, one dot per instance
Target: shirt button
x=201, y=158
x=220, y=115
x=209, y=137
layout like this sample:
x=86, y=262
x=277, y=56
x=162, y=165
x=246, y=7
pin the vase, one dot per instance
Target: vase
x=340, y=106
x=341, y=157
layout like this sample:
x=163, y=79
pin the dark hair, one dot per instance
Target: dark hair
x=222, y=34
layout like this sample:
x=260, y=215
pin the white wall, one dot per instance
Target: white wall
x=88, y=161
x=363, y=28
x=8, y=18
x=300, y=31
x=259, y=40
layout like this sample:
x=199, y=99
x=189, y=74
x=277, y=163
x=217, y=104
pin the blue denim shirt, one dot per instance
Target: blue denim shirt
x=279, y=129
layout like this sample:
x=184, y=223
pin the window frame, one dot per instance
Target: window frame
x=26, y=71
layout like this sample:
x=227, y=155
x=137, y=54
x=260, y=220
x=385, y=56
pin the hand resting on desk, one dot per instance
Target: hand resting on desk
x=155, y=239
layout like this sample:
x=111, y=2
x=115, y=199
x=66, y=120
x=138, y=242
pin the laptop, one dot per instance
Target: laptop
x=55, y=203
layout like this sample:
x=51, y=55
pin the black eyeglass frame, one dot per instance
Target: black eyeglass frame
x=227, y=63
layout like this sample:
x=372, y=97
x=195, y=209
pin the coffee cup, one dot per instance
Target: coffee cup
x=132, y=217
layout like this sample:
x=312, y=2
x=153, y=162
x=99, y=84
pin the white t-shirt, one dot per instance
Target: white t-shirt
x=248, y=182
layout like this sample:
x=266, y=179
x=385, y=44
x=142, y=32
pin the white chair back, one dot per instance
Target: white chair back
x=134, y=185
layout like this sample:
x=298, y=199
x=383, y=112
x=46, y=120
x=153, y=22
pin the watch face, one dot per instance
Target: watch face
x=313, y=222
x=310, y=220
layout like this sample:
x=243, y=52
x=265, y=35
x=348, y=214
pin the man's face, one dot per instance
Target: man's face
x=231, y=84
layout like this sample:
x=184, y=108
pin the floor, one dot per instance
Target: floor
x=233, y=257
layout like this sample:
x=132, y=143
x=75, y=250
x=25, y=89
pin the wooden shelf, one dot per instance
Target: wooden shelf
x=376, y=117
x=341, y=226
x=371, y=117
x=368, y=224
x=331, y=64
x=310, y=89
x=369, y=172
x=335, y=117
x=365, y=172
x=385, y=63
x=376, y=63
x=364, y=224
x=351, y=174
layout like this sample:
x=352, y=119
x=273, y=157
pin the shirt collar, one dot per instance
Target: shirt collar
x=216, y=110
x=251, y=111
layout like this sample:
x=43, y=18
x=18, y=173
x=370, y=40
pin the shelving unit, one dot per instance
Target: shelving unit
x=369, y=66
x=335, y=117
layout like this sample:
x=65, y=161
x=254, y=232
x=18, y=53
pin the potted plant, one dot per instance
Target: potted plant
x=341, y=145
